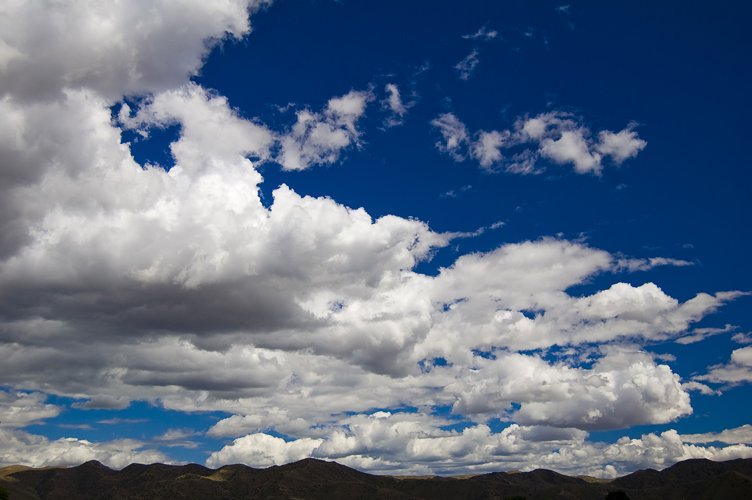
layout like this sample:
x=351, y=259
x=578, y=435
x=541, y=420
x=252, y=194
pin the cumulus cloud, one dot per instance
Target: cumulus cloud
x=466, y=67
x=555, y=136
x=18, y=447
x=263, y=450
x=319, y=138
x=409, y=443
x=622, y=389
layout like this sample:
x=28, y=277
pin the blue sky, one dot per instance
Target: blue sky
x=421, y=238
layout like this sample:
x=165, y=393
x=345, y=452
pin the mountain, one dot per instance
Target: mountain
x=317, y=479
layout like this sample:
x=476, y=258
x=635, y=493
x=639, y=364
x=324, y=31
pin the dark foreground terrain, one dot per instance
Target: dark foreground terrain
x=315, y=479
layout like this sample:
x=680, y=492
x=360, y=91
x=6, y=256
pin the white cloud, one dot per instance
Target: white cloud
x=49, y=46
x=738, y=370
x=701, y=388
x=466, y=67
x=263, y=450
x=396, y=106
x=620, y=145
x=622, y=389
x=632, y=265
x=454, y=135
x=18, y=447
x=738, y=435
x=555, y=136
x=319, y=138
x=700, y=334
x=483, y=34
x=404, y=443
x=742, y=338
x=487, y=147
x=18, y=409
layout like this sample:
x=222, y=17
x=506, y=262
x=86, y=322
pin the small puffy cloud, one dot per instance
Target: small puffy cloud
x=620, y=145
x=742, y=338
x=395, y=105
x=571, y=146
x=555, y=136
x=454, y=134
x=466, y=67
x=319, y=138
x=487, y=147
x=484, y=33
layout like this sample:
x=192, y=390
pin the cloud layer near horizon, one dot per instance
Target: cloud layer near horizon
x=123, y=282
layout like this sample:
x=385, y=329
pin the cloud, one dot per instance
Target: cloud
x=19, y=409
x=742, y=338
x=319, y=138
x=466, y=67
x=263, y=450
x=410, y=443
x=738, y=435
x=633, y=265
x=184, y=288
x=737, y=371
x=700, y=334
x=396, y=106
x=48, y=47
x=22, y=448
x=555, y=136
x=621, y=145
x=454, y=135
x=487, y=147
x=622, y=389
x=483, y=34
x=701, y=388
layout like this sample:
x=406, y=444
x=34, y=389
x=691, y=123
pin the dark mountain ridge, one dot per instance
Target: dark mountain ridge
x=317, y=479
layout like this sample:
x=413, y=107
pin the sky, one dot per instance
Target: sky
x=410, y=237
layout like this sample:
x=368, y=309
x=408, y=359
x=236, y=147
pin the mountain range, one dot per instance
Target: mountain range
x=317, y=479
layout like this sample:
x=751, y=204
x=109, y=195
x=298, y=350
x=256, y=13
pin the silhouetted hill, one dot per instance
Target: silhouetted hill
x=317, y=479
